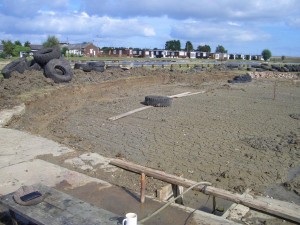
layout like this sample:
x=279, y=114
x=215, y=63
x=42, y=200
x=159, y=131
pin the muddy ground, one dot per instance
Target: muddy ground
x=235, y=136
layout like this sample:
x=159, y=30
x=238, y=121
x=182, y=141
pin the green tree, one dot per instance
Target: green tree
x=64, y=51
x=173, y=45
x=27, y=44
x=189, y=46
x=8, y=47
x=19, y=48
x=266, y=54
x=204, y=48
x=18, y=43
x=51, y=41
x=220, y=49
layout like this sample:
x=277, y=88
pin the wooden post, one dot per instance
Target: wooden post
x=143, y=187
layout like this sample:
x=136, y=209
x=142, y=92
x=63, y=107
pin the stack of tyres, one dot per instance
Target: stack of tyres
x=47, y=59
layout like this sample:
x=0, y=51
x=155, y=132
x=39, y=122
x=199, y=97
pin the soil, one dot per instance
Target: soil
x=235, y=136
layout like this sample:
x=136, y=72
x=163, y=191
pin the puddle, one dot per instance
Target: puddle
x=279, y=192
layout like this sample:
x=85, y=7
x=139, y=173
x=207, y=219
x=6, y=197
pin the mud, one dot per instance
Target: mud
x=235, y=136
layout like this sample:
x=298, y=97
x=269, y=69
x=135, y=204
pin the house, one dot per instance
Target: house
x=83, y=49
x=158, y=53
x=192, y=55
x=202, y=55
x=240, y=56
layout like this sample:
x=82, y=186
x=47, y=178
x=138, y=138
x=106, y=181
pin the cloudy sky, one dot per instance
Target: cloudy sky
x=241, y=26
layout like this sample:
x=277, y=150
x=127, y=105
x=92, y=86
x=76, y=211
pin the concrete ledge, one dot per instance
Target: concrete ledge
x=7, y=114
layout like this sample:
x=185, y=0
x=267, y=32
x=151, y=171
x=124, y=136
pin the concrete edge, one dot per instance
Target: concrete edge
x=7, y=115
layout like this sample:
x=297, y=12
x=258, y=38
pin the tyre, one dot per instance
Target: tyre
x=158, y=101
x=98, y=69
x=19, y=65
x=97, y=66
x=86, y=68
x=44, y=55
x=59, y=70
x=78, y=65
x=96, y=63
x=33, y=65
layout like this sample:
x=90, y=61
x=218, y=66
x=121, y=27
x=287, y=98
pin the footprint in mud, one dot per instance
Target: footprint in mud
x=295, y=116
x=281, y=143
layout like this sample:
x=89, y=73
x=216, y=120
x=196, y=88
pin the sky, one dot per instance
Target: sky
x=241, y=26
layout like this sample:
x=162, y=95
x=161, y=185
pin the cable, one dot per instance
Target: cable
x=173, y=200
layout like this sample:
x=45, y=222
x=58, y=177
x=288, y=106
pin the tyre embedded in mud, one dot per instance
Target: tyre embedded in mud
x=19, y=65
x=59, y=70
x=158, y=101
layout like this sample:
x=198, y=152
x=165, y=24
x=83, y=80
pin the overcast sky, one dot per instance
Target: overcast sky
x=241, y=26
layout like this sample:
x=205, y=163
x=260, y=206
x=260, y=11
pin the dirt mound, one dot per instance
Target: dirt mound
x=33, y=83
x=18, y=84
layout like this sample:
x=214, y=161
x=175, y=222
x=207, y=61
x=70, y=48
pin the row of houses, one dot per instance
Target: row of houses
x=161, y=53
x=90, y=50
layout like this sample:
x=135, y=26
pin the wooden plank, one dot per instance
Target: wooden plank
x=291, y=213
x=130, y=112
x=149, y=106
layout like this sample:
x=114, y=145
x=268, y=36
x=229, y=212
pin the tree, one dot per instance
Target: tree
x=189, y=46
x=204, y=48
x=220, y=49
x=51, y=41
x=64, y=51
x=283, y=58
x=8, y=47
x=18, y=43
x=173, y=45
x=27, y=44
x=20, y=48
x=266, y=54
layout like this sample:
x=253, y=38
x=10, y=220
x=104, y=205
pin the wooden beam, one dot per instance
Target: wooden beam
x=149, y=106
x=290, y=213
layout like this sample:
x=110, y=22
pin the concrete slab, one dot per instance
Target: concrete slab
x=39, y=171
x=89, y=161
x=17, y=146
x=7, y=114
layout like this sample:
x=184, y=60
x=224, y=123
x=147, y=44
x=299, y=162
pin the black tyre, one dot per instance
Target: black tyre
x=78, y=66
x=98, y=69
x=33, y=65
x=44, y=55
x=86, y=68
x=158, y=101
x=59, y=70
x=97, y=66
x=96, y=63
x=19, y=65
